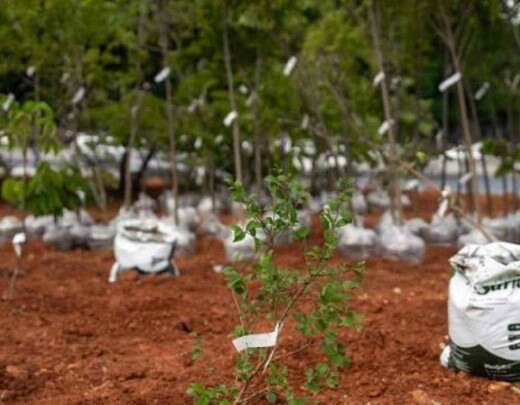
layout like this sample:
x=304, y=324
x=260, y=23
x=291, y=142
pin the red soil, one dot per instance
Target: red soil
x=71, y=338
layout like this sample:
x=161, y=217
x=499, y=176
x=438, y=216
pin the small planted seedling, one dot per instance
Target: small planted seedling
x=311, y=301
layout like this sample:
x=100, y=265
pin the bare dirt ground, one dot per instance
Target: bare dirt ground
x=68, y=337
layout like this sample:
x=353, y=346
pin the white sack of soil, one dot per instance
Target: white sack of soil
x=499, y=227
x=186, y=241
x=147, y=245
x=442, y=230
x=10, y=226
x=483, y=311
x=359, y=203
x=386, y=221
x=378, y=200
x=58, y=237
x=417, y=226
x=213, y=227
x=101, y=237
x=397, y=242
x=474, y=237
x=241, y=250
x=356, y=241
x=72, y=218
x=35, y=226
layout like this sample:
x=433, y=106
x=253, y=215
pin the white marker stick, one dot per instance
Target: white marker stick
x=289, y=66
x=450, y=81
x=162, y=75
x=378, y=78
x=481, y=92
x=232, y=115
x=257, y=340
x=243, y=89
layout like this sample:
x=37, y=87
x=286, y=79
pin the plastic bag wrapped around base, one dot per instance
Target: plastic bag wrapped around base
x=442, y=230
x=356, y=241
x=399, y=243
x=417, y=226
x=10, y=226
x=101, y=237
x=475, y=237
x=483, y=311
x=241, y=250
x=59, y=238
x=35, y=226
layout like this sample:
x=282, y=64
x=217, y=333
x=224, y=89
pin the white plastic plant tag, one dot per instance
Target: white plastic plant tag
x=219, y=139
x=467, y=177
x=515, y=82
x=31, y=70
x=80, y=93
x=162, y=75
x=481, y=92
x=8, y=102
x=251, y=99
x=289, y=66
x=438, y=139
x=193, y=106
x=305, y=122
x=17, y=241
x=257, y=340
x=443, y=207
x=65, y=77
x=385, y=126
x=450, y=81
x=412, y=184
x=243, y=89
x=378, y=78
x=198, y=143
x=247, y=147
x=232, y=115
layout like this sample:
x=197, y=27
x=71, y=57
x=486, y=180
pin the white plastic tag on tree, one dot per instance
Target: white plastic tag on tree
x=305, y=122
x=243, y=89
x=251, y=99
x=219, y=139
x=64, y=77
x=516, y=80
x=198, y=143
x=378, y=78
x=438, y=139
x=450, y=81
x=481, y=92
x=17, y=241
x=258, y=340
x=385, y=126
x=80, y=93
x=443, y=207
x=8, y=102
x=193, y=106
x=162, y=75
x=289, y=66
x=232, y=115
x=31, y=70
x=467, y=177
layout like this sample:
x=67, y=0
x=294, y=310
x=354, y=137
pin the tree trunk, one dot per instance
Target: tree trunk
x=395, y=187
x=450, y=42
x=169, y=110
x=256, y=128
x=231, y=94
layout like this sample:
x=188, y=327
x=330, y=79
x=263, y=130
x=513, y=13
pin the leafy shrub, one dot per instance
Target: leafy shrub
x=316, y=295
x=49, y=191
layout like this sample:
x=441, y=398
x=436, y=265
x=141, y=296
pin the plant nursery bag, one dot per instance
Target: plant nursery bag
x=484, y=311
